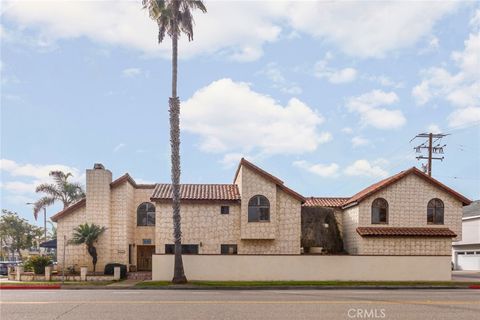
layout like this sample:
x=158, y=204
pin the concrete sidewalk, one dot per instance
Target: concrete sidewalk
x=467, y=276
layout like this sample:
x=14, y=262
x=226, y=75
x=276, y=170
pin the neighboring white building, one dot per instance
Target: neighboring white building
x=466, y=253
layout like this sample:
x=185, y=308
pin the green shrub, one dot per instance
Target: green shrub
x=109, y=269
x=37, y=264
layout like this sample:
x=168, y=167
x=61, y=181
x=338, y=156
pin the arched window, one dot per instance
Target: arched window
x=146, y=214
x=379, y=211
x=258, y=209
x=435, y=211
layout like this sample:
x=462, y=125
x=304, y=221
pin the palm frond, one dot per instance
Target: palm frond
x=50, y=189
x=86, y=234
x=42, y=203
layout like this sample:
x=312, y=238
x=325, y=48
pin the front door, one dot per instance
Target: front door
x=144, y=257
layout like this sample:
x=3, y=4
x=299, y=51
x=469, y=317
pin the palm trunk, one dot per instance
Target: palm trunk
x=174, y=104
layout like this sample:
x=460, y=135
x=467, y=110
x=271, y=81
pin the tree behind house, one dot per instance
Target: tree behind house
x=61, y=190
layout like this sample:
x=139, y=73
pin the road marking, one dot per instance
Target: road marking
x=419, y=302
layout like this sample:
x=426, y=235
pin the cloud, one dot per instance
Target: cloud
x=125, y=24
x=433, y=128
x=368, y=29
x=347, y=130
x=323, y=170
x=358, y=141
x=369, y=107
x=461, y=89
x=118, y=147
x=365, y=168
x=274, y=74
x=131, y=72
x=323, y=71
x=381, y=27
x=229, y=116
x=24, y=178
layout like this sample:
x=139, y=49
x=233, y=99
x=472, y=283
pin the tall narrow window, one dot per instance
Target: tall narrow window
x=258, y=209
x=379, y=211
x=146, y=214
x=435, y=210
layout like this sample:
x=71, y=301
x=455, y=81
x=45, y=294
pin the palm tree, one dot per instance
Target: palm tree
x=88, y=235
x=174, y=17
x=61, y=190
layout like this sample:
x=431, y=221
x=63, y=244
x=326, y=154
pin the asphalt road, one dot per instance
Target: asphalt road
x=242, y=304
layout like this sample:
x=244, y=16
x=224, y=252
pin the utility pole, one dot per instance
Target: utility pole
x=428, y=144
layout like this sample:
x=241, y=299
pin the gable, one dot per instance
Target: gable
x=383, y=184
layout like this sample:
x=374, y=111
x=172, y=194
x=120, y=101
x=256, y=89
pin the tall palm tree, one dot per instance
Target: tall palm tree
x=88, y=235
x=174, y=17
x=61, y=190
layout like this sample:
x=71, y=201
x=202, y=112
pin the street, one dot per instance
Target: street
x=239, y=304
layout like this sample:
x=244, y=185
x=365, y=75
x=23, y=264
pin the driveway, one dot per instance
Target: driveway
x=466, y=276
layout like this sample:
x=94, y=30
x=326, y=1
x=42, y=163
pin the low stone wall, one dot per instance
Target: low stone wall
x=305, y=268
x=30, y=276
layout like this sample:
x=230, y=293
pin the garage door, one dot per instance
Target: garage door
x=469, y=260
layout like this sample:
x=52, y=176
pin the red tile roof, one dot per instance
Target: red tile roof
x=69, y=209
x=389, y=181
x=332, y=202
x=404, y=232
x=268, y=176
x=228, y=192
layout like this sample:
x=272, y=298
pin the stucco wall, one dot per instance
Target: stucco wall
x=253, y=184
x=425, y=246
x=201, y=222
x=350, y=235
x=407, y=205
x=74, y=255
x=304, y=267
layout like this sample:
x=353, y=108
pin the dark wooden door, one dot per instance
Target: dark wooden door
x=144, y=257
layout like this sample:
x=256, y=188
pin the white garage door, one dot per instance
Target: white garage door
x=469, y=260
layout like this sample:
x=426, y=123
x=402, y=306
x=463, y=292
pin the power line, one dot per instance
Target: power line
x=432, y=147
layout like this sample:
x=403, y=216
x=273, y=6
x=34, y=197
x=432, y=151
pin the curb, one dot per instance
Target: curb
x=199, y=288
x=29, y=287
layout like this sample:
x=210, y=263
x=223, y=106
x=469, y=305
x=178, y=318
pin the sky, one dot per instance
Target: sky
x=325, y=95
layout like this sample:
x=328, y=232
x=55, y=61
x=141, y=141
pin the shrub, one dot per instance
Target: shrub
x=109, y=269
x=37, y=264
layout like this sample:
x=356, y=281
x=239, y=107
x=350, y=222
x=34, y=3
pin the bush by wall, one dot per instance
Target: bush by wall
x=37, y=264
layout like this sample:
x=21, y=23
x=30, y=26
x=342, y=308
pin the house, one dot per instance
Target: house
x=407, y=214
x=466, y=252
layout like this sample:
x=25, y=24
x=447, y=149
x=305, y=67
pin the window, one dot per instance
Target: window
x=146, y=214
x=379, y=211
x=258, y=209
x=435, y=211
x=224, y=209
x=186, y=249
x=228, y=249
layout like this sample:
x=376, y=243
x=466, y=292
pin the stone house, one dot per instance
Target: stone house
x=256, y=215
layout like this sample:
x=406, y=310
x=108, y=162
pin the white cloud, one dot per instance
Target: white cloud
x=384, y=81
x=464, y=117
x=369, y=29
x=347, y=130
x=335, y=76
x=358, y=141
x=274, y=74
x=24, y=178
x=380, y=28
x=131, y=72
x=369, y=107
x=365, y=168
x=119, y=146
x=433, y=128
x=230, y=117
x=323, y=170
x=461, y=89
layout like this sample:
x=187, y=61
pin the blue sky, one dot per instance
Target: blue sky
x=324, y=95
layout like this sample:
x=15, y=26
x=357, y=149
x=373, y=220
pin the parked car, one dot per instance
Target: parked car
x=4, y=265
